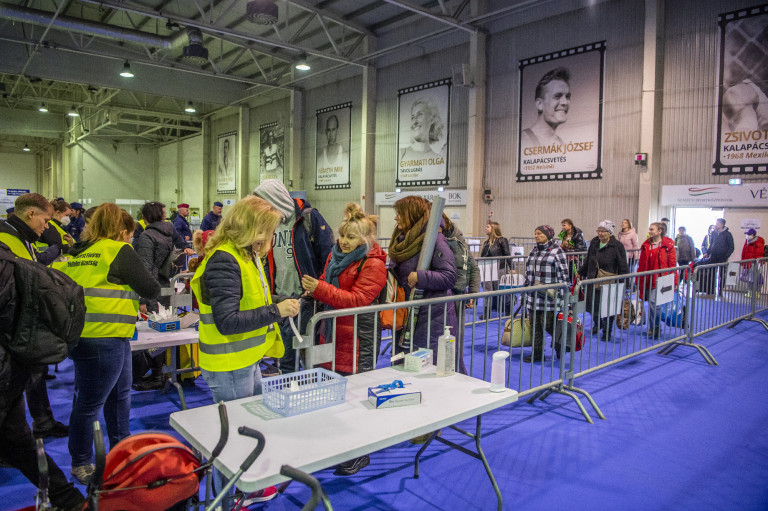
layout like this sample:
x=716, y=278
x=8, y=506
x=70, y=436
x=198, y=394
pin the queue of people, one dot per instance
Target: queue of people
x=270, y=259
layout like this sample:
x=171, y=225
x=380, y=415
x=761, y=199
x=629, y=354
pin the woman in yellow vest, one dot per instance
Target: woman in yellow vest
x=238, y=321
x=55, y=235
x=113, y=278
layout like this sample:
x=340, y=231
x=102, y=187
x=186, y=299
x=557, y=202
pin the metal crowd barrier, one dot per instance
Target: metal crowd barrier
x=671, y=306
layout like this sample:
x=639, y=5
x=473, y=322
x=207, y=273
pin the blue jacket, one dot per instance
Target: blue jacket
x=210, y=222
x=76, y=226
x=311, y=244
x=182, y=227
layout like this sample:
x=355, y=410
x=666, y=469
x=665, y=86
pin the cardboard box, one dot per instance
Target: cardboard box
x=418, y=360
x=166, y=326
x=390, y=398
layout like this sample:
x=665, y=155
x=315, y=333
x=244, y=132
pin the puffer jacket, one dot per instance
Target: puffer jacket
x=359, y=285
x=754, y=250
x=663, y=256
x=154, y=246
x=436, y=282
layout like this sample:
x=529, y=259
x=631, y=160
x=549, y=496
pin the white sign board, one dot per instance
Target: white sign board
x=665, y=289
x=452, y=197
x=750, y=223
x=7, y=198
x=732, y=277
x=611, y=299
x=489, y=270
x=745, y=195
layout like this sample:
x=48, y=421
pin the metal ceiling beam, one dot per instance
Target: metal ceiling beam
x=213, y=29
x=330, y=15
x=437, y=17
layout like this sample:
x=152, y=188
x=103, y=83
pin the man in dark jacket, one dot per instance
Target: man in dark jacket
x=181, y=224
x=212, y=219
x=719, y=252
x=301, y=247
x=17, y=445
x=19, y=233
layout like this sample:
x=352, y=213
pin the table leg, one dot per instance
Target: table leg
x=479, y=454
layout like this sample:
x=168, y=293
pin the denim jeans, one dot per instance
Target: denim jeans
x=229, y=385
x=102, y=382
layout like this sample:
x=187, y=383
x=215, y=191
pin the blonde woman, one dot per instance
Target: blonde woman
x=238, y=321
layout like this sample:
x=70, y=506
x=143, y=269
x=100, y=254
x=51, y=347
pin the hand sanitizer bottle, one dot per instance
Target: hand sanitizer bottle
x=498, y=370
x=446, y=353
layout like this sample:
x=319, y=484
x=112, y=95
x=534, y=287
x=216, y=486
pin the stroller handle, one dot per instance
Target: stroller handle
x=224, y=436
x=246, y=431
x=318, y=494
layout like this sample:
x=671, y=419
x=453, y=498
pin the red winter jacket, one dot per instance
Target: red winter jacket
x=752, y=250
x=663, y=256
x=356, y=290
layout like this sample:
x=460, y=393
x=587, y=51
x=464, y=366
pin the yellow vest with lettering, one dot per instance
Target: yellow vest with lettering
x=17, y=246
x=42, y=247
x=219, y=352
x=110, y=308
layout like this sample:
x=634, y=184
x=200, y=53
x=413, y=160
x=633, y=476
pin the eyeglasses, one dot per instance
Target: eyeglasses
x=601, y=231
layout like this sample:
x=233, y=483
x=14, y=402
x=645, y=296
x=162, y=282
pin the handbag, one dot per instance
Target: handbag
x=601, y=273
x=628, y=315
x=517, y=332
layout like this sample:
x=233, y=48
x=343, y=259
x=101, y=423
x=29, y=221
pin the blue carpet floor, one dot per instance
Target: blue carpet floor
x=679, y=434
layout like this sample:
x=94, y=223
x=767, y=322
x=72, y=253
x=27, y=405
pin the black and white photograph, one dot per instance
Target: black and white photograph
x=333, y=143
x=561, y=110
x=422, y=137
x=226, y=163
x=742, y=114
x=272, y=153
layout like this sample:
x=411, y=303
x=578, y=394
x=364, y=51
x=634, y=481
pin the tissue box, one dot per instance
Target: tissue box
x=418, y=360
x=165, y=326
x=381, y=398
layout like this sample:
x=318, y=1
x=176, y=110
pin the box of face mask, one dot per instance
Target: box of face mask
x=418, y=360
x=389, y=396
x=165, y=326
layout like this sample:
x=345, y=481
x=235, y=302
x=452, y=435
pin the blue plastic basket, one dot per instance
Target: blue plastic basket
x=318, y=388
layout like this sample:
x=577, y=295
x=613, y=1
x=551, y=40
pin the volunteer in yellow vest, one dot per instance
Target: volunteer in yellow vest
x=19, y=233
x=237, y=317
x=55, y=235
x=111, y=273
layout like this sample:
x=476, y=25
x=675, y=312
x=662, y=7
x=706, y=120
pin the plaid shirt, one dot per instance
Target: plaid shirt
x=545, y=266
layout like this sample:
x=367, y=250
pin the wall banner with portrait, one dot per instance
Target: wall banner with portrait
x=272, y=153
x=561, y=114
x=422, y=135
x=741, y=144
x=226, y=163
x=334, y=128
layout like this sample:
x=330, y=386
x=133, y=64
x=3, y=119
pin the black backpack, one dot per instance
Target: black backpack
x=50, y=312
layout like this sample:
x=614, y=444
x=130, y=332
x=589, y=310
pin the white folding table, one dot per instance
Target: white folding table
x=323, y=438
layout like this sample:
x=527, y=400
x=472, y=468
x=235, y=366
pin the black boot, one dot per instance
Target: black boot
x=156, y=379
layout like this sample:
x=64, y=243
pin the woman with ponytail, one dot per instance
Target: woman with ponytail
x=354, y=275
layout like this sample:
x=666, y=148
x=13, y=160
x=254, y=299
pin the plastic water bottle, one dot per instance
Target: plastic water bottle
x=446, y=353
x=498, y=369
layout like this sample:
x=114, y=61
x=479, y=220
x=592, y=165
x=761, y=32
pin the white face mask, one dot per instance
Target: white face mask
x=65, y=220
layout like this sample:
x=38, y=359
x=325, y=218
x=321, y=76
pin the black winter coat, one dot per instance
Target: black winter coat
x=611, y=258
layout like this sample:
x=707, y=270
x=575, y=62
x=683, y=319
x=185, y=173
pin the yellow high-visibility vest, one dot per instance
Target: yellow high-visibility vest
x=18, y=247
x=41, y=246
x=219, y=352
x=110, y=308
x=142, y=223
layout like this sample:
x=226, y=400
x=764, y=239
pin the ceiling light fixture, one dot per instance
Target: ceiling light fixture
x=26, y=148
x=262, y=12
x=302, y=65
x=42, y=108
x=190, y=108
x=73, y=112
x=126, y=72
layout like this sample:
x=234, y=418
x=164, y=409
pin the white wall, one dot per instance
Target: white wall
x=117, y=171
x=18, y=171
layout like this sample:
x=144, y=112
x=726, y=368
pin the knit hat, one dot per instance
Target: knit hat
x=751, y=232
x=547, y=231
x=607, y=225
x=275, y=192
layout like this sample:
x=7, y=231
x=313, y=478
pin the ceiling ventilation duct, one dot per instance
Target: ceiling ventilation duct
x=195, y=53
x=263, y=12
